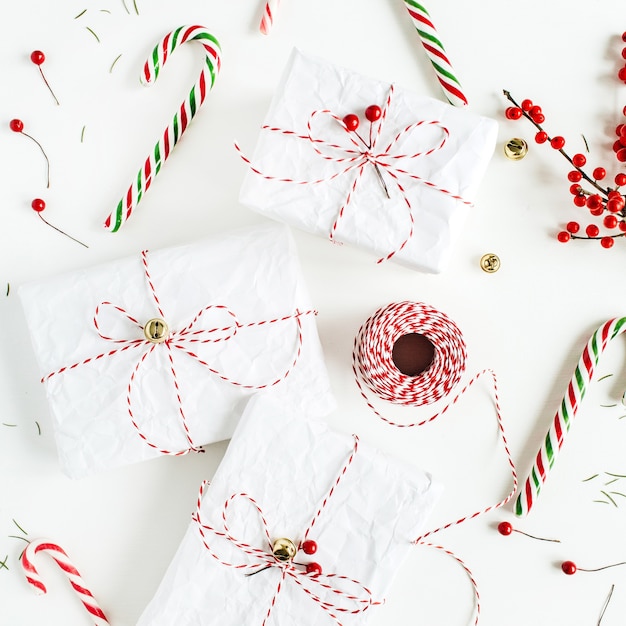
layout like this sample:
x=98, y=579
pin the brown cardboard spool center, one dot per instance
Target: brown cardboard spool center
x=412, y=354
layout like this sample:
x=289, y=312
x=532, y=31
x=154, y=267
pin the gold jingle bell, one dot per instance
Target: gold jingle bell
x=284, y=549
x=490, y=263
x=156, y=330
x=515, y=149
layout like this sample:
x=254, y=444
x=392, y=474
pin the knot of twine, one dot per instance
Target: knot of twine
x=180, y=341
x=355, y=156
x=334, y=593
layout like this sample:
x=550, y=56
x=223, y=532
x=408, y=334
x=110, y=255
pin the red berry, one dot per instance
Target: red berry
x=351, y=121
x=574, y=176
x=624, y=36
x=315, y=569
x=618, y=129
x=38, y=205
x=579, y=160
x=592, y=230
x=309, y=547
x=575, y=189
x=610, y=221
x=599, y=173
x=568, y=567
x=513, y=113
x=621, y=155
x=17, y=126
x=617, y=145
x=594, y=201
x=505, y=528
x=597, y=211
x=557, y=142
x=615, y=205
x=373, y=112
x=540, y=118
x=563, y=236
x=622, y=226
x=622, y=74
x=535, y=110
x=37, y=57
x=527, y=104
x=580, y=200
x=623, y=53
x=620, y=179
x=607, y=242
x=541, y=136
x=573, y=227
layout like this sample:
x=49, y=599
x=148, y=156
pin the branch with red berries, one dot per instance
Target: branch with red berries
x=602, y=201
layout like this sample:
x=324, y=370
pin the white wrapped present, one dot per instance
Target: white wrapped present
x=400, y=186
x=300, y=525
x=159, y=353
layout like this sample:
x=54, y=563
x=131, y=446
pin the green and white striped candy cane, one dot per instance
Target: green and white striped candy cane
x=565, y=414
x=181, y=119
x=436, y=53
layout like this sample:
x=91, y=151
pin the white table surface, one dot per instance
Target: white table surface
x=529, y=321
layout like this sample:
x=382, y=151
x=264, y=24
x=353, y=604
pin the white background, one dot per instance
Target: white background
x=529, y=321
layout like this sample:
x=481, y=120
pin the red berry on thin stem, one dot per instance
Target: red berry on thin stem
x=315, y=569
x=579, y=160
x=506, y=528
x=620, y=179
x=541, y=136
x=38, y=57
x=569, y=567
x=592, y=230
x=573, y=227
x=17, y=126
x=351, y=121
x=39, y=205
x=563, y=236
x=309, y=546
x=607, y=242
x=557, y=142
x=599, y=173
x=373, y=113
x=574, y=176
x=513, y=113
x=527, y=105
x=580, y=200
x=610, y=221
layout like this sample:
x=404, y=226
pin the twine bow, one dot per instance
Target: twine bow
x=358, y=155
x=180, y=341
x=329, y=591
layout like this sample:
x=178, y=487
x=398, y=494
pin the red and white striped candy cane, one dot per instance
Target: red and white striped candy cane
x=181, y=119
x=269, y=11
x=63, y=561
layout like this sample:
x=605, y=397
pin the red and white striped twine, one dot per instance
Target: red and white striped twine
x=333, y=593
x=182, y=341
x=354, y=156
x=375, y=370
x=63, y=561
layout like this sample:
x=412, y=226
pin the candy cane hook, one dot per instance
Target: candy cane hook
x=562, y=421
x=181, y=119
x=63, y=561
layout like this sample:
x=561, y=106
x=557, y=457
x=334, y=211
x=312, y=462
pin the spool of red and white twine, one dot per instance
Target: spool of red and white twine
x=59, y=555
x=374, y=362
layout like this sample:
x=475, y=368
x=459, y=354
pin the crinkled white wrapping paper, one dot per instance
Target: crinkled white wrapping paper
x=287, y=464
x=371, y=220
x=255, y=273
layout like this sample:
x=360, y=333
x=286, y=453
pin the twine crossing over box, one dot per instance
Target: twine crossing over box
x=159, y=353
x=300, y=525
x=368, y=163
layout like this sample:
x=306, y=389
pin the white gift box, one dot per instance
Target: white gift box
x=239, y=319
x=314, y=174
x=285, y=476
